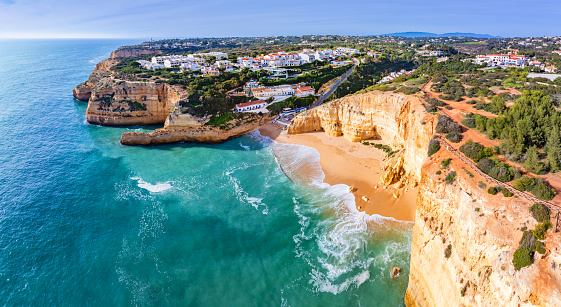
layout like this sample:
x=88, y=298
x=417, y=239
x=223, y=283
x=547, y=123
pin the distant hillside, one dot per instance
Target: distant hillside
x=427, y=34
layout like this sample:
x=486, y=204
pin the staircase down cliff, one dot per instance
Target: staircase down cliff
x=463, y=238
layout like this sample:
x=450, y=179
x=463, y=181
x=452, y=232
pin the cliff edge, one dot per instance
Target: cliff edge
x=115, y=102
x=463, y=238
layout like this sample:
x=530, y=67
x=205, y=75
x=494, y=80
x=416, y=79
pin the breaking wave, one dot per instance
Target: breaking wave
x=153, y=188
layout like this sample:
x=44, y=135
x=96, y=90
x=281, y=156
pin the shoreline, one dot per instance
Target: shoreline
x=357, y=166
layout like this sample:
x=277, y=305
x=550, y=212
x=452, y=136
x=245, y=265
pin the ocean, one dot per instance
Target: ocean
x=85, y=221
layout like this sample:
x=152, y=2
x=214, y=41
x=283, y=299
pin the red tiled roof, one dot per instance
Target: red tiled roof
x=250, y=103
x=305, y=89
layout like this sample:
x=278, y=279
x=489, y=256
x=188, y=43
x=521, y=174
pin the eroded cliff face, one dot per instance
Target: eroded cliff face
x=187, y=128
x=101, y=74
x=463, y=238
x=125, y=53
x=118, y=103
x=463, y=245
x=399, y=120
x=113, y=102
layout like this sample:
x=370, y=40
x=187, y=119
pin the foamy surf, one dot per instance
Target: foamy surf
x=152, y=188
x=336, y=246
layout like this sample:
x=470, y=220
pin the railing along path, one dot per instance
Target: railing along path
x=503, y=185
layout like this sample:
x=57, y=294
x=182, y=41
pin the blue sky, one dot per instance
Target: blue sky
x=220, y=18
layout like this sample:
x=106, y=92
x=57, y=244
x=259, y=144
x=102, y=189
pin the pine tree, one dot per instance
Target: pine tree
x=532, y=163
x=553, y=149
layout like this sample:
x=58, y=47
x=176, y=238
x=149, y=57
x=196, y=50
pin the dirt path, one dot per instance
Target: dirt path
x=471, y=164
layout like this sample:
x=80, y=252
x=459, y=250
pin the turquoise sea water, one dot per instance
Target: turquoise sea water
x=85, y=221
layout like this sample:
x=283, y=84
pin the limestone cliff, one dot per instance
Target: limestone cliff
x=187, y=128
x=463, y=238
x=125, y=53
x=118, y=103
x=463, y=245
x=101, y=73
x=397, y=119
x=114, y=102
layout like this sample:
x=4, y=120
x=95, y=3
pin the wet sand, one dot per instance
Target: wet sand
x=355, y=165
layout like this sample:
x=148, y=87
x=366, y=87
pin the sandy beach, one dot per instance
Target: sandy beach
x=355, y=165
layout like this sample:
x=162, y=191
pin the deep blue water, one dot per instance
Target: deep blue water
x=85, y=221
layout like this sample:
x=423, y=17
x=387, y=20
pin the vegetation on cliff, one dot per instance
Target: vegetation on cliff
x=531, y=239
x=368, y=73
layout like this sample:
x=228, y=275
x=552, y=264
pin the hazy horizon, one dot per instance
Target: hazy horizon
x=174, y=19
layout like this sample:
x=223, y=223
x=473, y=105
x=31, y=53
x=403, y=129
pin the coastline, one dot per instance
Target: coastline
x=355, y=165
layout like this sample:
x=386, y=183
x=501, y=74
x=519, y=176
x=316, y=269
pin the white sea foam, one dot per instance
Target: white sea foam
x=245, y=146
x=98, y=59
x=153, y=188
x=339, y=235
x=241, y=194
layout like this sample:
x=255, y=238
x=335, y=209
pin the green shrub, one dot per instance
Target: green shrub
x=475, y=151
x=435, y=102
x=448, y=251
x=464, y=289
x=469, y=122
x=430, y=108
x=544, y=191
x=408, y=90
x=506, y=193
x=522, y=258
x=482, y=185
x=541, y=230
x=492, y=191
x=454, y=137
x=434, y=147
x=451, y=177
x=536, y=186
x=540, y=247
x=446, y=162
x=540, y=212
x=528, y=241
x=446, y=125
x=438, y=172
x=498, y=170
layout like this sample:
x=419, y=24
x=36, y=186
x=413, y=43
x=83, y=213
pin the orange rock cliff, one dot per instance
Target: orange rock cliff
x=114, y=102
x=480, y=231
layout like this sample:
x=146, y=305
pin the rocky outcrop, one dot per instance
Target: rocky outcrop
x=187, y=128
x=399, y=120
x=463, y=238
x=126, y=53
x=114, y=102
x=82, y=92
x=101, y=73
x=124, y=103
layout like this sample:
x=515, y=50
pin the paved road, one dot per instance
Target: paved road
x=335, y=86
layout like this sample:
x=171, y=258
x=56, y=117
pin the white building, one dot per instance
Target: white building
x=190, y=67
x=304, y=91
x=281, y=90
x=210, y=71
x=348, y=51
x=251, y=105
x=217, y=55
x=502, y=59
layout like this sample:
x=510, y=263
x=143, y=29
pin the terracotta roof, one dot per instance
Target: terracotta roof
x=250, y=103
